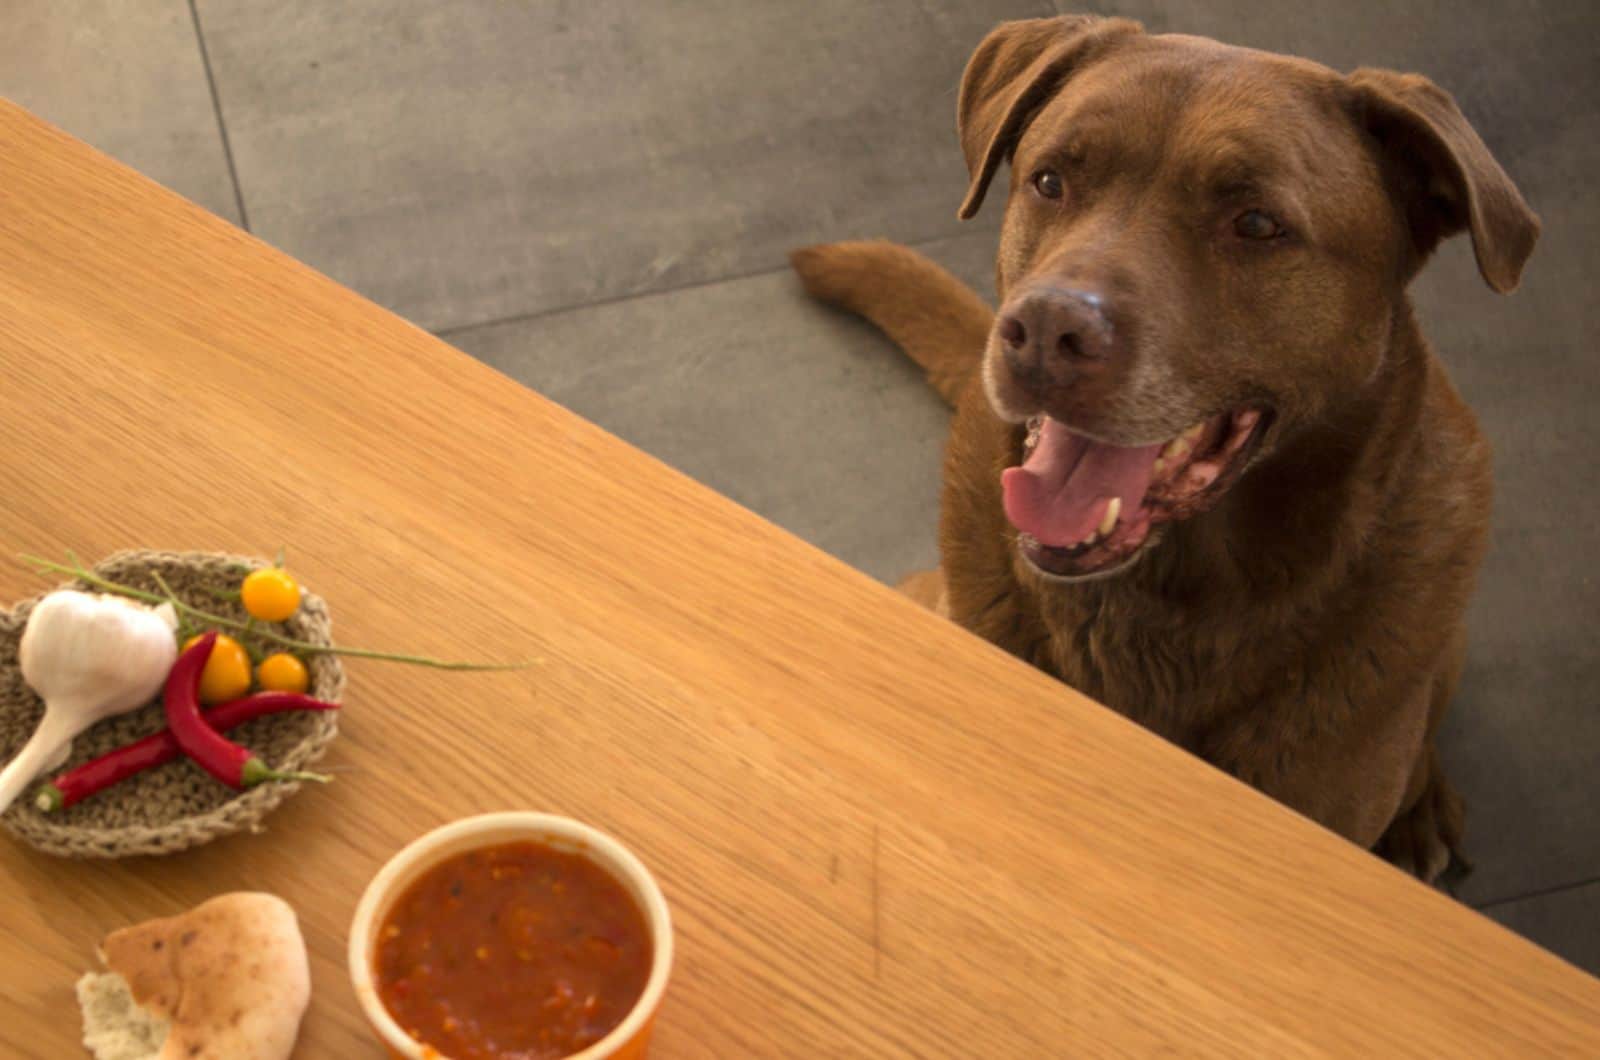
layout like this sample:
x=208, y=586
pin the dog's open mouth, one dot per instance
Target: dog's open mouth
x=1083, y=507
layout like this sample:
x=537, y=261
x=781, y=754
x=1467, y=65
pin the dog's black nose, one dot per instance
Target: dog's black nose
x=1053, y=330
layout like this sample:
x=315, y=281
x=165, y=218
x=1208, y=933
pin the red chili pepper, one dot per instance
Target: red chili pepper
x=235, y=766
x=160, y=748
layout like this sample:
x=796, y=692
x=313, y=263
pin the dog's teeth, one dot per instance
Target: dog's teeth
x=1175, y=450
x=1109, y=520
x=1202, y=475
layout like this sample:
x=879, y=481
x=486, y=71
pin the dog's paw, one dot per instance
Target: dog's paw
x=825, y=269
x=1425, y=840
x=927, y=588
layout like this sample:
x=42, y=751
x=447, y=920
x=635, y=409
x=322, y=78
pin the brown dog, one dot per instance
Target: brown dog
x=1203, y=466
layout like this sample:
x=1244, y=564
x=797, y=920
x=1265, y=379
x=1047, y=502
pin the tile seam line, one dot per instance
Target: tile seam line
x=654, y=292
x=216, y=109
x=1542, y=892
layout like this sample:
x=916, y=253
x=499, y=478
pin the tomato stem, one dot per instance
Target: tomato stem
x=256, y=771
x=84, y=574
x=172, y=597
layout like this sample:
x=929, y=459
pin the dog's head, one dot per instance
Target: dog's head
x=1204, y=251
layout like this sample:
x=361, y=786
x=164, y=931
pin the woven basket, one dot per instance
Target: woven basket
x=176, y=806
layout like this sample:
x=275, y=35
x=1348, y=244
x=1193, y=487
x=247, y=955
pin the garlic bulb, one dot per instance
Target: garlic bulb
x=89, y=657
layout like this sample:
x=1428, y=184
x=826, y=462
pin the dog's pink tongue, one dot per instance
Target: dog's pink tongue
x=1055, y=495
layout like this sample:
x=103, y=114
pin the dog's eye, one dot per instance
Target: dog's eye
x=1047, y=182
x=1253, y=224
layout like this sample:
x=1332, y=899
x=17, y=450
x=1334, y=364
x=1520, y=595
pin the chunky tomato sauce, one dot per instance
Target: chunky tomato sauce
x=517, y=950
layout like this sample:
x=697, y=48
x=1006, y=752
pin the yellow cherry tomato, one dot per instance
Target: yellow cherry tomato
x=282, y=672
x=270, y=594
x=227, y=672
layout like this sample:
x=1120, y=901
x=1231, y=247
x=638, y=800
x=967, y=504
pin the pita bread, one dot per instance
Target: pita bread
x=229, y=978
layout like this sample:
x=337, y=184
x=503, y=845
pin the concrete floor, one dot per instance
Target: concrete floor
x=595, y=196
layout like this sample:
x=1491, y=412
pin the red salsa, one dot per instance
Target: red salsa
x=514, y=950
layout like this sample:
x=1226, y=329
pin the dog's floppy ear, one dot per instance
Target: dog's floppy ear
x=1016, y=68
x=1445, y=175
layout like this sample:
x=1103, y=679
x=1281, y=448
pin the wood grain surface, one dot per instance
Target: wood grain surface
x=878, y=835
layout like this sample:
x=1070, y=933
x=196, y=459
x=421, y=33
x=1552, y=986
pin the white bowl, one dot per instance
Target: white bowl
x=628, y=1038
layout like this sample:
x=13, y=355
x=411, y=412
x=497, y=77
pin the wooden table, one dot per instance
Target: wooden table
x=879, y=836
